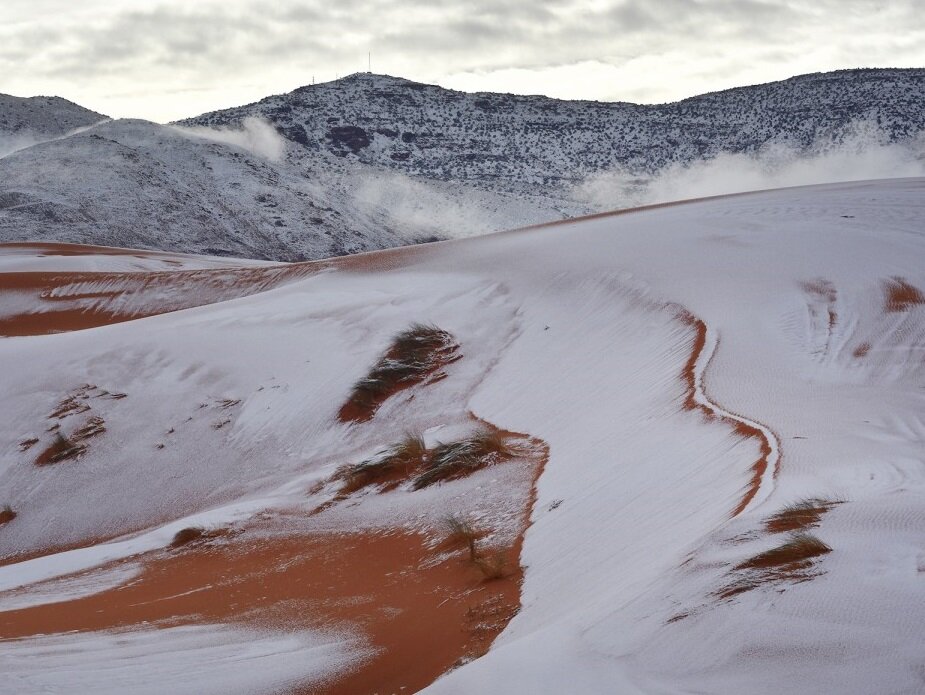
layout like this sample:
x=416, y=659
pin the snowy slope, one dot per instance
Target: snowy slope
x=142, y=185
x=25, y=121
x=693, y=369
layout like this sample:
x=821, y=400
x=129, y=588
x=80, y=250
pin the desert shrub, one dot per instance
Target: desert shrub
x=414, y=354
x=61, y=448
x=6, y=514
x=796, y=553
x=456, y=459
x=791, y=562
x=396, y=464
x=799, y=516
x=461, y=532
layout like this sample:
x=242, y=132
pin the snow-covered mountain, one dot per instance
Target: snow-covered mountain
x=371, y=161
x=505, y=140
x=27, y=120
x=142, y=185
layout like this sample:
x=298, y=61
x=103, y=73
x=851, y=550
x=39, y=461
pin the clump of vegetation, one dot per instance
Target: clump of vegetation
x=459, y=531
x=415, y=354
x=94, y=426
x=799, y=516
x=61, y=448
x=791, y=561
x=28, y=443
x=6, y=514
x=457, y=459
x=389, y=469
x=796, y=554
x=193, y=534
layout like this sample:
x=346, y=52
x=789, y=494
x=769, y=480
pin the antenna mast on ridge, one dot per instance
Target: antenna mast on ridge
x=369, y=58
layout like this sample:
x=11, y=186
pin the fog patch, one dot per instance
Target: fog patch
x=424, y=209
x=256, y=135
x=864, y=152
x=21, y=140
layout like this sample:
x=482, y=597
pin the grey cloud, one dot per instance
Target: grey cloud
x=170, y=46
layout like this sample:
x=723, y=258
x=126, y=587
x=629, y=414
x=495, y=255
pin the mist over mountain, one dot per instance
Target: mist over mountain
x=24, y=121
x=372, y=161
x=506, y=140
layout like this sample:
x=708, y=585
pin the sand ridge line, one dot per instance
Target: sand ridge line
x=765, y=469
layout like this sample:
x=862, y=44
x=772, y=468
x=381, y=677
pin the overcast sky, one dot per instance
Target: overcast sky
x=166, y=59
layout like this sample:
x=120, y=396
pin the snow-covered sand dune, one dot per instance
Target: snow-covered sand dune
x=692, y=370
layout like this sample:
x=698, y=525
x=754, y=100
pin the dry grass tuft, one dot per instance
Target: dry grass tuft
x=796, y=554
x=799, y=516
x=457, y=459
x=414, y=354
x=6, y=514
x=492, y=565
x=61, y=449
x=389, y=469
x=27, y=444
x=94, y=426
x=460, y=532
x=790, y=562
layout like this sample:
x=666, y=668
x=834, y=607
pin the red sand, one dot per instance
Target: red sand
x=424, y=617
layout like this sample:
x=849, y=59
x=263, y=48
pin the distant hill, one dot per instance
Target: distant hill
x=372, y=161
x=43, y=115
x=505, y=140
x=27, y=120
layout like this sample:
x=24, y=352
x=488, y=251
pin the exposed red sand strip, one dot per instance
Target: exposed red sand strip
x=68, y=301
x=59, y=248
x=741, y=427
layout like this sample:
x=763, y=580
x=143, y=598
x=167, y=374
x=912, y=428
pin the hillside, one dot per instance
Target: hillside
x=142, y=185
x=370, y=162
x=27, y=120
x=510, y=141
x=668, y=450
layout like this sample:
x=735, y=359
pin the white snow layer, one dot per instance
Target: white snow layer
x=573, y=334
x=69, y=588
x=220, y=659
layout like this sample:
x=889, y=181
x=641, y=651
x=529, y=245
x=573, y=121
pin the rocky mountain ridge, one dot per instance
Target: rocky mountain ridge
x=371, y=161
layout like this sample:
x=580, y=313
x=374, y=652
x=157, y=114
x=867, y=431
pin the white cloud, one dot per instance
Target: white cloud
x=168, y=59
x=255, y=135
x=864, y=153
